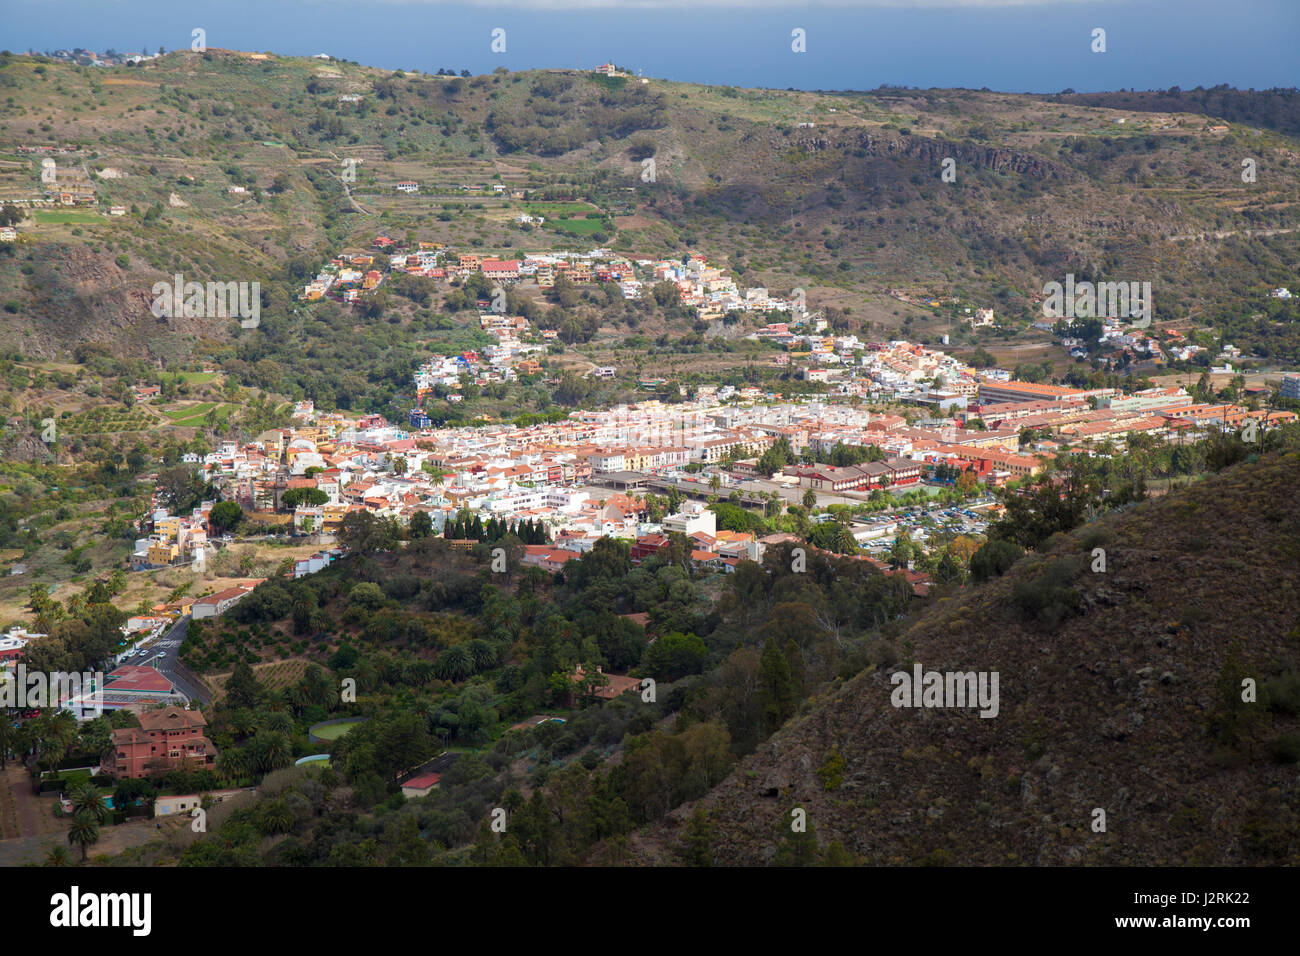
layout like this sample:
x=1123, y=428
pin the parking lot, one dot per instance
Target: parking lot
x=920, y=523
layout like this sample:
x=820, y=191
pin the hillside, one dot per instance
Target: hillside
x=1118, y=690
x=838, y=193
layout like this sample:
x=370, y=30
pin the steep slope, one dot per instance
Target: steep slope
x=1119, y=691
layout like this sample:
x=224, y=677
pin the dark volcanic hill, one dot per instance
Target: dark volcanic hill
x=1119, y=691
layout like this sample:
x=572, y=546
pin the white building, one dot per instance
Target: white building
x=692, y=518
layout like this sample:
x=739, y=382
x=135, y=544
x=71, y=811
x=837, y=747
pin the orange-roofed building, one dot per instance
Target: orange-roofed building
x=165, y=740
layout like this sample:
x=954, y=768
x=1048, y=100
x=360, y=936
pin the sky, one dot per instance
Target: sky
x=1037, y=46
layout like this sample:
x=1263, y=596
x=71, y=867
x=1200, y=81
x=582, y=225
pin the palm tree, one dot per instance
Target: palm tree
x=455, y=664
x=279, y=721
x=271, y=751
x=83, y=833
x=233, y=764
x=775, y=503
x=88, y=804
x=242, y=723
x=54, y=735
x=58, y=856
x=277, y=817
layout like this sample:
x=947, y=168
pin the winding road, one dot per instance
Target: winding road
x=164, y=655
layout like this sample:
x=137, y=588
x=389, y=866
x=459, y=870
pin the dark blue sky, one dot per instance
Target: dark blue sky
x=1021, y=46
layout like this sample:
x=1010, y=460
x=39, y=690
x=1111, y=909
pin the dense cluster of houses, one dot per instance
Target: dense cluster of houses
x=503, y=361
x=578, y=477
x=1120, y=343
x=700, y=285
x=172, y=539
x=84, y=57
x=344, y=278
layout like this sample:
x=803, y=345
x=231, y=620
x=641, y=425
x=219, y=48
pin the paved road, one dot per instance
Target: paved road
x=163, y=654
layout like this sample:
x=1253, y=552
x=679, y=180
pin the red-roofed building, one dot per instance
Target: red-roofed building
x=165, y=740
x=222, y=601
x=139, y=678
x=616, y=684
x=501, y=268
x=420, y=786
x=647, y=545
x=546, y=557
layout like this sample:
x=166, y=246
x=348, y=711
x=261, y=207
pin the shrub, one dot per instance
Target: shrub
x=993, y=559
x=1050, y=597
x=831, y=773
x=1282, y=694
x=1285, y=749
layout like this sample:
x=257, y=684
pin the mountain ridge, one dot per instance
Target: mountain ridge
x=1135, y=693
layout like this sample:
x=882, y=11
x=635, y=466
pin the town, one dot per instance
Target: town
x=656, y=439
x=602, y=473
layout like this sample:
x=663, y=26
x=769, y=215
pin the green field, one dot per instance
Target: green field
x=551, y=209
x=55, y=217
x=583, y=227
x=71, y=778
x=194, y=416
x=332, y=731
x=197, y=378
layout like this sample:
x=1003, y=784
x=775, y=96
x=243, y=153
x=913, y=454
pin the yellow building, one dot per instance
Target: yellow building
x=163, y=552
x=333, y=516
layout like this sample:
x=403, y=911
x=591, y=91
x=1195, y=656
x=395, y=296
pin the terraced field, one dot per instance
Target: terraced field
x=195, y=416
x=108, y=420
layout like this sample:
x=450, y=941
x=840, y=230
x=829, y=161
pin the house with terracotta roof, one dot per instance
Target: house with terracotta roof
x=616, y=685
x=500, y=269
x=222, y=601
x=165, y=740
x=546, y=557
x=646, y=545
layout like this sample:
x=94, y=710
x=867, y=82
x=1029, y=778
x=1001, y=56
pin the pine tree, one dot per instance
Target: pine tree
x=794, y=660
x=797, y=849
x=776, y=690
x=696, y=846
